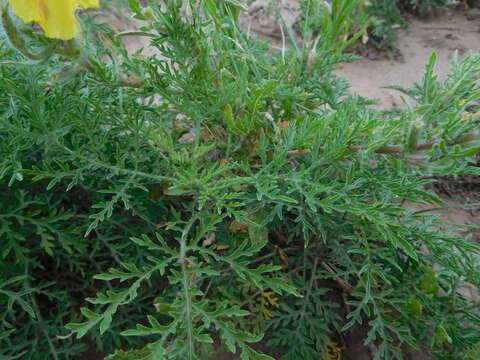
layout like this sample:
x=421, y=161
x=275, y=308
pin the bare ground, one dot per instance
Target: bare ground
x=445, y=34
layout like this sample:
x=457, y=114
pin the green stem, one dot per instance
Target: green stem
x=186, y=288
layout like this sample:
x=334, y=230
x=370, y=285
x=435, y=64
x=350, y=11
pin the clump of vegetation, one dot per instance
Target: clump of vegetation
x=219, y=193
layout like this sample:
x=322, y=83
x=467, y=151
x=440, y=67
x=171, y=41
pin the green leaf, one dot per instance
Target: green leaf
x=45, y=242
x=285, y=199
x=442, y=335
x=429, y=283
x=229, y=341
x=6, y=334
x=176, y=192
x=408, y=248
x=415, y=308
x=161, y=307
x=236, y=3
x=105, y=323
x=204, y=338
x=136, y=9
x=26, y=307
x=249, y=354
x=89, y=314
x=228, y=116
x=212, y=8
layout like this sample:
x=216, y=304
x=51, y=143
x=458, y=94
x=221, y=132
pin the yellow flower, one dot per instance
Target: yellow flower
x=56, y=17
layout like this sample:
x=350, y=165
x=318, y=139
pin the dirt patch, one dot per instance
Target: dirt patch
x=464, y=189
x=266, y=19
x=444, y=34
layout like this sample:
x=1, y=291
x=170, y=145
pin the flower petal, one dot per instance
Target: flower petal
x=59, y=19
x=86, y=4
x=56, y=17
x=27, y=10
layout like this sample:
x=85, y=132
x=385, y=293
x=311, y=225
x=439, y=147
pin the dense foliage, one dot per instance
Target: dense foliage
x=216, y=193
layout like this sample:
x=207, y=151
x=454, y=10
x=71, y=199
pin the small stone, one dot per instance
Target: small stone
x=473, y=14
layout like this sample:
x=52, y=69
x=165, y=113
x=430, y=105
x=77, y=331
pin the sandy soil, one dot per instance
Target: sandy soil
x=445, y=34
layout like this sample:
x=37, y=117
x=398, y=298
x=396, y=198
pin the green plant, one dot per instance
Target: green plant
x=336, y=24
x=187, y=195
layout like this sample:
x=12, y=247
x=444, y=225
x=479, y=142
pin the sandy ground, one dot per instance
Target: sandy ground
x=445, y=34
